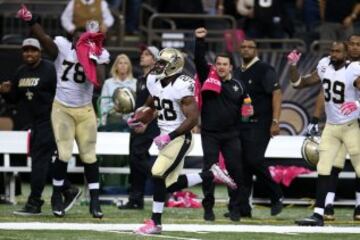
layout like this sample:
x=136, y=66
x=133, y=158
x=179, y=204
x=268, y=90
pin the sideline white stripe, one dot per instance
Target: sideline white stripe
x=156, y=236
x=177, y=227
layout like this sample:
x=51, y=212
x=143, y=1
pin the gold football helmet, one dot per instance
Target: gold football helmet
x=124, y=100
x=310, y=150
x=170, y=62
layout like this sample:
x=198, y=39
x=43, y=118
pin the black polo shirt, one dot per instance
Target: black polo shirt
x=34, y=89
x=260, y=81
x=220, y=112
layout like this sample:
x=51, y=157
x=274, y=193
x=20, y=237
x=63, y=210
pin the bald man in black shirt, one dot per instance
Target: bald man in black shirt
x=262, y=85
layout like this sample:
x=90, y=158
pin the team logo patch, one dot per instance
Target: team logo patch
x=29, y=95
x=236, y=88
x=191, y=87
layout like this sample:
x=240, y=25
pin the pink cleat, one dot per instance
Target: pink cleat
x=149, y=227
x=222, y=176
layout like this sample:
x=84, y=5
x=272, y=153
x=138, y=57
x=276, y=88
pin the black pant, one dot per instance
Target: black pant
x=42, y=149
x=254, y=142
x=229, y=144
x=140, y=165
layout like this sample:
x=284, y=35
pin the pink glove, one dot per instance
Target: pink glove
x=24, y=14
x=162, y=140
x=349, y=107
x=293, y=57
x=247, y=110
x=134, y=123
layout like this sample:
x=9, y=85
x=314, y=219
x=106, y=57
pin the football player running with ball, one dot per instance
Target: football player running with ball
x=73, y=116
x=172, y=95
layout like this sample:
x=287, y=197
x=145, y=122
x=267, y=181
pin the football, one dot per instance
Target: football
x=144, y=114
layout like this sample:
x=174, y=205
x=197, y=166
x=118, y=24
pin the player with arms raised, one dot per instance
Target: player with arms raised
x=172, y=95
x=72, y=116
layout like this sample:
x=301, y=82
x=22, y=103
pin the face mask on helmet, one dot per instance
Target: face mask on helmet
x=170, y=62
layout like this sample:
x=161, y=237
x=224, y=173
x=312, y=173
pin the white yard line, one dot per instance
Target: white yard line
x=156, y=236
x=177, y=227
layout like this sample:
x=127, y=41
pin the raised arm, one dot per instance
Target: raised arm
x=298, y=81
x=201, y=65
x=46, y=41
x=37, y=30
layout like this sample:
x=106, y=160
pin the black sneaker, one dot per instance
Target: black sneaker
x=31, y=208
x=209, y=215
x=70, y=196
x=57, y=204
x=234, y=216
x=132, y=205
x=245, y=215
x=276, y=208
x=329, y=214
x=356, y=215
x=95, y=209
x=313, y=220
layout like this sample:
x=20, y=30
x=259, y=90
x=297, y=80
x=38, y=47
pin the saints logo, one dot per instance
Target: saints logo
x=29, y=95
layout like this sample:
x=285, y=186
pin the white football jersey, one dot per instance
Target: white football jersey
x=72, y=89
x=167, y=100
x=338, y=88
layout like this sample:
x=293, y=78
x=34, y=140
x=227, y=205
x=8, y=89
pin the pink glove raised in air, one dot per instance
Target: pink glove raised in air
x=162, y=140
x=24, y=14
x=349, y=107
x=293, y=57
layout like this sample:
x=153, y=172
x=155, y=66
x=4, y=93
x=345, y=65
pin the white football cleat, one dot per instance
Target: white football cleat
x=222, y=176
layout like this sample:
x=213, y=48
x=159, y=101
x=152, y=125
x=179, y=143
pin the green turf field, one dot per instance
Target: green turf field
x=189, y=217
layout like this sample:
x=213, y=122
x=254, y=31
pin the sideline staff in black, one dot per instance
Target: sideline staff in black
x=141, y=138
x=219, y=117
x=34, y=85
x=262, y=85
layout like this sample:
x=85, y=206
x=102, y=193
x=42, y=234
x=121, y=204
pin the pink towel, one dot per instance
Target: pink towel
x=89, y=43
x=286, y=174
x=212, y=83
x=184, y=199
